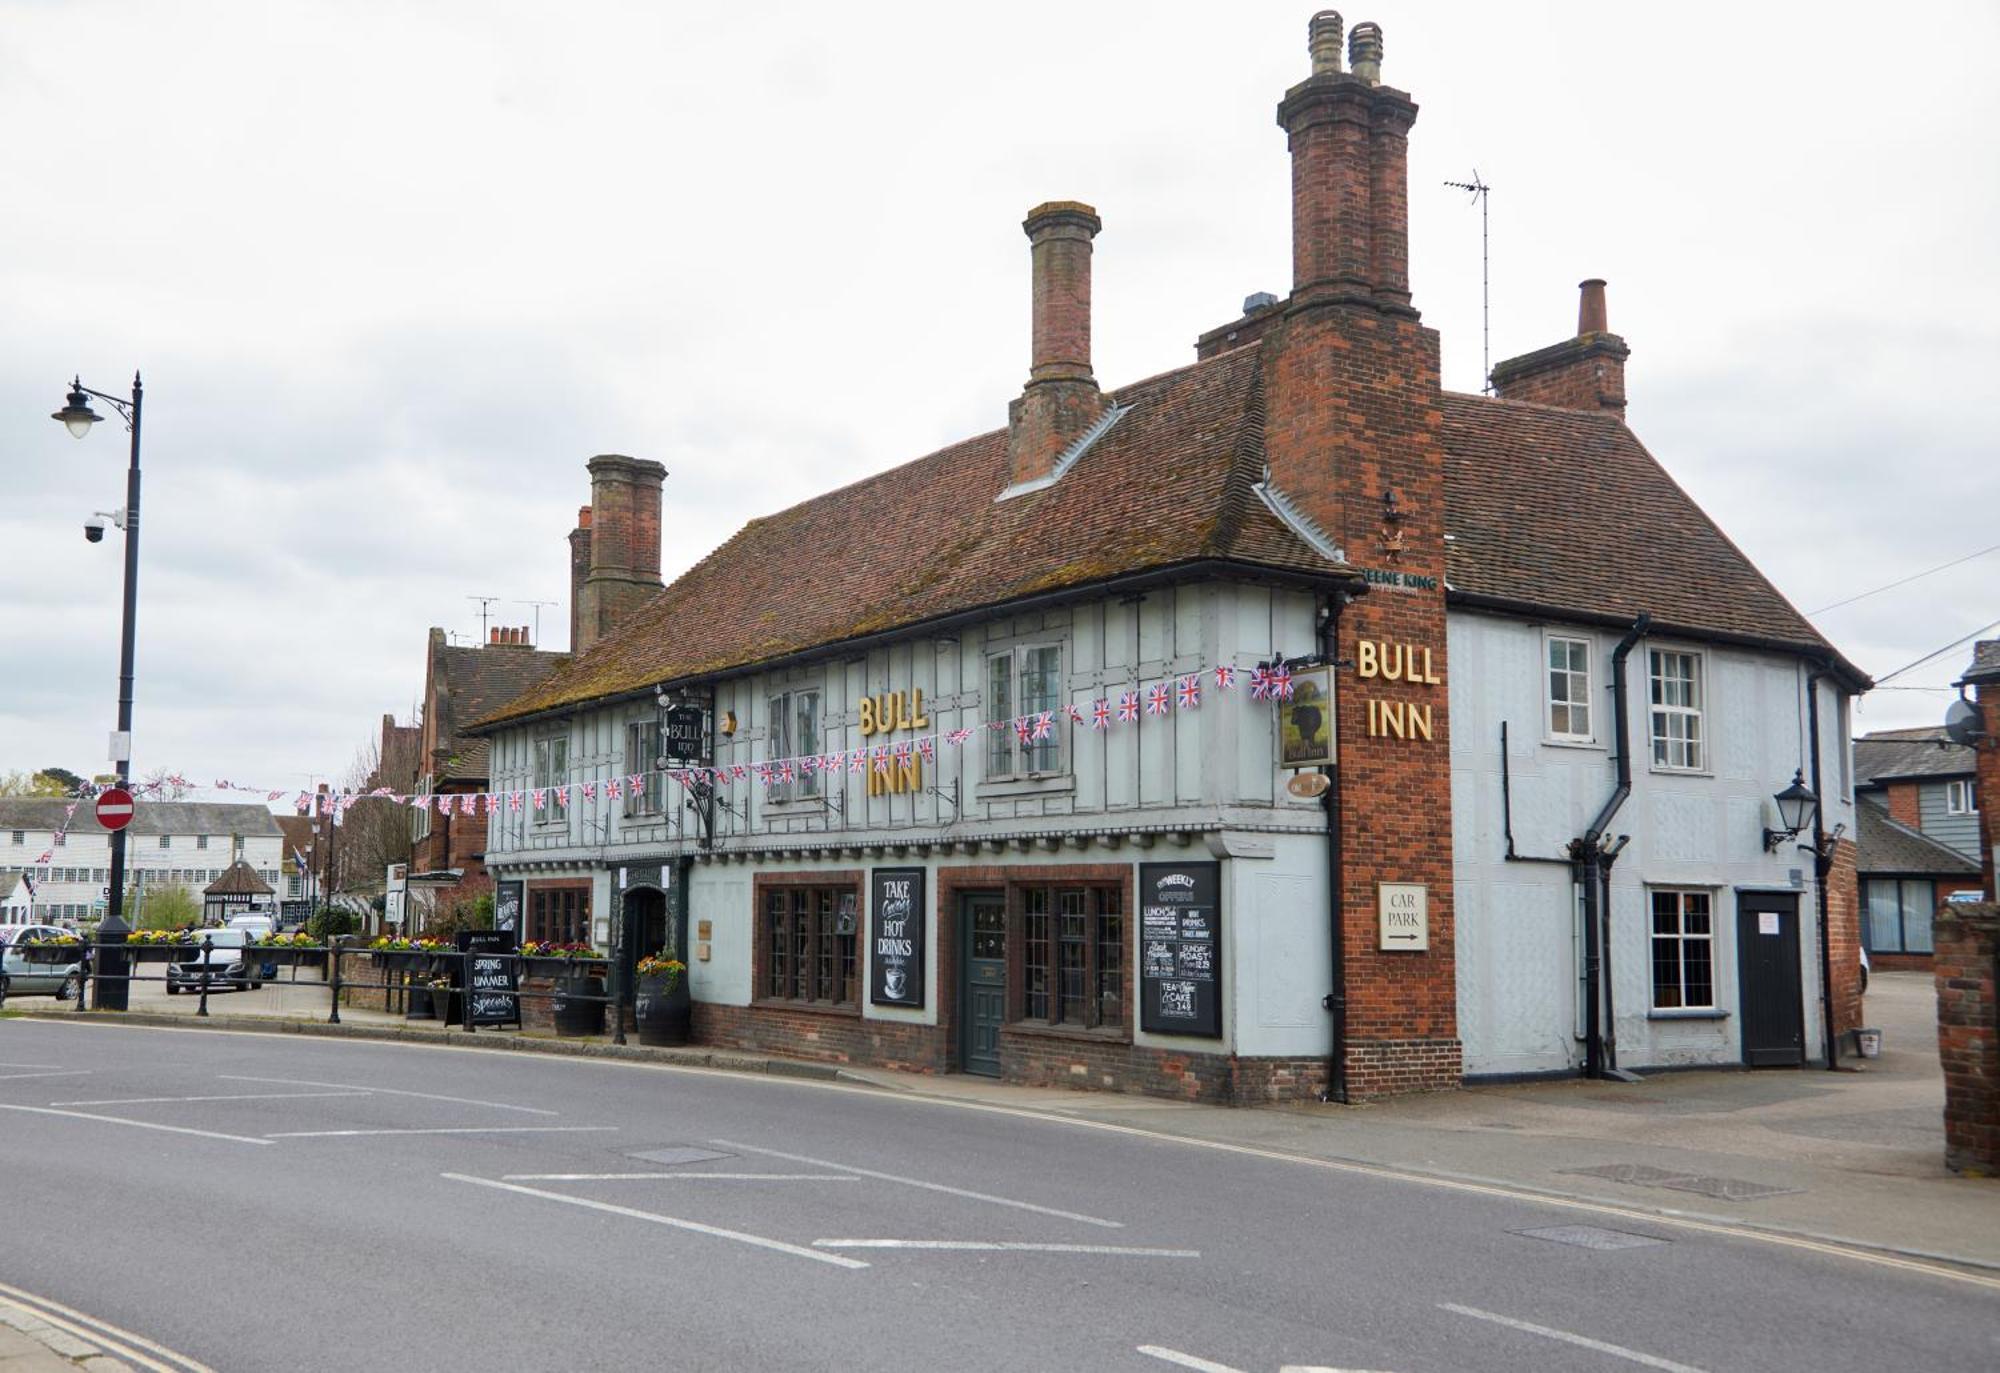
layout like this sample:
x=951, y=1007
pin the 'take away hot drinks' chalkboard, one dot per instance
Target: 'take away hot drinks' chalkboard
x=896, y=937
x=1180, y=949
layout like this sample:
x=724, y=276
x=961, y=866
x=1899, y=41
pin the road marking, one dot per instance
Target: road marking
x=392, y=1091
x=245, y=1096
x=60, y=1072
x=654, y=1177
x=135, y=1124
x=27, y=1065
x=1013, y=1247
x=1175, y=1356
x=760, y=1241
x=121, y=1344
x=1568, y=1337
x=927, y=1186
x=448, y=1130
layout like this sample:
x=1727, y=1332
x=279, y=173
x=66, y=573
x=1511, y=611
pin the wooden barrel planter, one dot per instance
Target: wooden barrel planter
x=665, y=1011
x=422, y=1005
x=574, y=1013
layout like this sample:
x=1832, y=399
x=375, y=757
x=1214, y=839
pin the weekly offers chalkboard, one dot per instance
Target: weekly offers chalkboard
x=896, y=937
x=1180, y=949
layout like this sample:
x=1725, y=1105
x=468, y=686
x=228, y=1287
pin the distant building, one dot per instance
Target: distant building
x=169, y=843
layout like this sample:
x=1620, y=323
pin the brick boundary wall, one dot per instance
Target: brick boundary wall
x=1397, y=1067
x=1968, y=1001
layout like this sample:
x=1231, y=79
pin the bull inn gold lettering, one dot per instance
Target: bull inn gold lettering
x=1388, y=661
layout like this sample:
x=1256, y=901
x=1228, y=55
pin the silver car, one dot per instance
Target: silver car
x=19, y=977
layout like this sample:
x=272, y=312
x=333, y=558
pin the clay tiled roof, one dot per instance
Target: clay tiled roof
x=1565, y=509
x=1900, y=753
x=1172, y=482
x=1884, y=845
x=298, y=835
x=238, y=879
x=478, y=682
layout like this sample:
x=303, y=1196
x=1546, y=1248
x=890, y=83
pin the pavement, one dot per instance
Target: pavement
x=30, y=1344
x=1846, y=1158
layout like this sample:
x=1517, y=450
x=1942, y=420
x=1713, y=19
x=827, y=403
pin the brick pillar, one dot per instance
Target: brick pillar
x=1968, y=943
x=624, y=544
x=1986, y=787
x=1843, y=937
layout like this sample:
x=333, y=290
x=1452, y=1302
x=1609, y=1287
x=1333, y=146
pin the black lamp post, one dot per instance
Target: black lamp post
x=1796, y=804
x=77, y=416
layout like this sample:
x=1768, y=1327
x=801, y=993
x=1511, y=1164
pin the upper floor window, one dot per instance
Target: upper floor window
x=794, y=734
x=20, y=836
x=552, y=771
x=1677, y=707
x=1959, y=798
x=166, y=841
x=1024, y=692
x=201, y=841
x=642, y=760
x=1569, y=688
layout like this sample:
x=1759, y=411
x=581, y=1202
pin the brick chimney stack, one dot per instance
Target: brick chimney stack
x=579, y=570
x=623, y=541
x=1583, y=373
x=1061, y=399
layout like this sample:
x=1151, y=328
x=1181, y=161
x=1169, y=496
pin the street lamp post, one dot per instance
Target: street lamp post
x=112, y=988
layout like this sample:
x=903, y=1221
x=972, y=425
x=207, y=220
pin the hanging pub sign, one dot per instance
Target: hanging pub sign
x=1180, y=949
x=1305, y=721
x=896, y=937
x=682, y=738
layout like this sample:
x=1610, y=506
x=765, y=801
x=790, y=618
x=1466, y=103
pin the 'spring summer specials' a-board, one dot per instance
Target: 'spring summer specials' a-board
x=1180, y=949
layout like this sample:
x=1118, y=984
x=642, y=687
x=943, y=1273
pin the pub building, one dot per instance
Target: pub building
x=1278, y=727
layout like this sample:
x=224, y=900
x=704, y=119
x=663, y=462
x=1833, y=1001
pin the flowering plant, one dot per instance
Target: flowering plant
x=50, y=939
x=181, y=936
x=532, y=949
x=301, y=940
x=402, y=945
x=662, y=964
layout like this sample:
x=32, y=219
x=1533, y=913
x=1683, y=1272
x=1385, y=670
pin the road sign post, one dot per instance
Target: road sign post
x=112, y=964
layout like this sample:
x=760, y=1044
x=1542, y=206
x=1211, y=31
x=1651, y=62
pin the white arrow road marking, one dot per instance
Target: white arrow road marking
x=1013, y=1246
x=449, y=1130
x=760, y=1241
x=135, y=1124
x=679, y=1177
x=1547, y=1332
x=392, y=1091
x=919, y=1182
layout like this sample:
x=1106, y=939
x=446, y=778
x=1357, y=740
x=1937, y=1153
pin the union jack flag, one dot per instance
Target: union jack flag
x=857, y=761
x=444, y=805
x=514, y=801
x=590, y=791
x=1281, y=682
x=614, y=790
x=809, y=763
x=1075, y=713
x=882, y=759
x=492, y=803
x=1260, y=684
x=1045, y=724
x=274, y=795
x=1128, y=707
x=1100, y=714
x=786, y=772
x=1156, y=699
x=927, y=749
x=467, y=802
x=958, y=736
x=562, y=797
x=901, y=753
x=1225, y=677
x=764, y=773
x=738, y=771
x=830, y=763
x=1022, y=727
x=634, y=783
x=1189, y=695
x=541, y=795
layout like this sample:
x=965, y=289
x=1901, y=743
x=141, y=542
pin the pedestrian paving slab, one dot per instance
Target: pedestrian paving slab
x=29, y=1344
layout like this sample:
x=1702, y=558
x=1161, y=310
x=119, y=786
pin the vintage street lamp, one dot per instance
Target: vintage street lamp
x=77, y=417
x=1796, y=804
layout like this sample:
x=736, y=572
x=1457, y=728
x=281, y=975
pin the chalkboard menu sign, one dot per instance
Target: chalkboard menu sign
x=493, y=996
x=1180, y=949
x=507, y=906
x=896, y=937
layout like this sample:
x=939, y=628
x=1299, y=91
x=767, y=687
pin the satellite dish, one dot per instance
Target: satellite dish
x=1964, y=723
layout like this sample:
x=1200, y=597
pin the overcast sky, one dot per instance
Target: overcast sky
x=394, y=272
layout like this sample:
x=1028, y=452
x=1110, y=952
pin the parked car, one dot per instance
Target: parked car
x=219, y=967
x=19, y=977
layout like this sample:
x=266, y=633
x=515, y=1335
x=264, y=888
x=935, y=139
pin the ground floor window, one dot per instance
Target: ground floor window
x=1071, y=965
x=808, y=936
x=559, y=915
x=1683, y=950
x=1899, y=914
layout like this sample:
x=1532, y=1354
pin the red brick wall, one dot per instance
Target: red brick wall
x=1843, y=938
x=1903, y=807
x=1968, y=942
x=1987, y=786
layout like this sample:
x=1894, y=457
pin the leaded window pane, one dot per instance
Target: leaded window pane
x=1000, y=743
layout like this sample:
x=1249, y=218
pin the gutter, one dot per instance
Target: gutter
x=1588, y=855
x=1221, y=569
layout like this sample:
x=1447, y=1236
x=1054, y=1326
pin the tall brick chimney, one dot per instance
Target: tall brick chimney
x=624, y=544
x=1352, y=439
x=1061, y=399
x=579, y=570
x=1583, y=373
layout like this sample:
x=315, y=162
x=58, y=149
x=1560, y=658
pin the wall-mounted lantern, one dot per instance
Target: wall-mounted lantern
x=1796, y=804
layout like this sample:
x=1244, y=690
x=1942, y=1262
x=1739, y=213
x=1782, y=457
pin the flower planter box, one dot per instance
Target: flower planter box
x=158, y=953
x=401, y=960
x=665, y=1011
x=564, y=968
x=288, y=957
x=49, y=953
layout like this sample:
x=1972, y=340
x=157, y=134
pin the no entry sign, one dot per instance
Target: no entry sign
x=114, y=808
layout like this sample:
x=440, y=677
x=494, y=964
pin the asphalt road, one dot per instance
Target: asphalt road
x=275, y=1202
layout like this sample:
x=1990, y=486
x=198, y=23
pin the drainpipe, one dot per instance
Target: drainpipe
x=1822, y=865
x=1336, y=875
x=1588, y=854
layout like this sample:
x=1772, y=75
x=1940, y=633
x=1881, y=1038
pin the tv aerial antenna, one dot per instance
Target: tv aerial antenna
x=1478, y=190
x=485, y=604
x=538, y=615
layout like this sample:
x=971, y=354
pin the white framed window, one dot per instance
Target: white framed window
x=1568, y=706
x=201, y=841
x=642, y=760
x=552, y=771
x=1678, y=701
x=1022, y=684
x=794, y=733
x=166, y=841
x=1683, y=950
x=1959, y=798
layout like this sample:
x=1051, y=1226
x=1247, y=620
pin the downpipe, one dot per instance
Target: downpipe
x=1592, y=870
x=1336, y=875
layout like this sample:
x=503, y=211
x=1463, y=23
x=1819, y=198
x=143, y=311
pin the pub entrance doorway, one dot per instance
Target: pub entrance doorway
x=982, y=981
x=648, y=929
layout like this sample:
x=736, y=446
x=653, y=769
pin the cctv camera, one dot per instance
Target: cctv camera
x=93, y=529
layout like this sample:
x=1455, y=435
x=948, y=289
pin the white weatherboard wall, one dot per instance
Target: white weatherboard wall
x=1518, y=939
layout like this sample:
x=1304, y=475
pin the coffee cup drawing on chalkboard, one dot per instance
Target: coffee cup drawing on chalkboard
x=894, y=981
